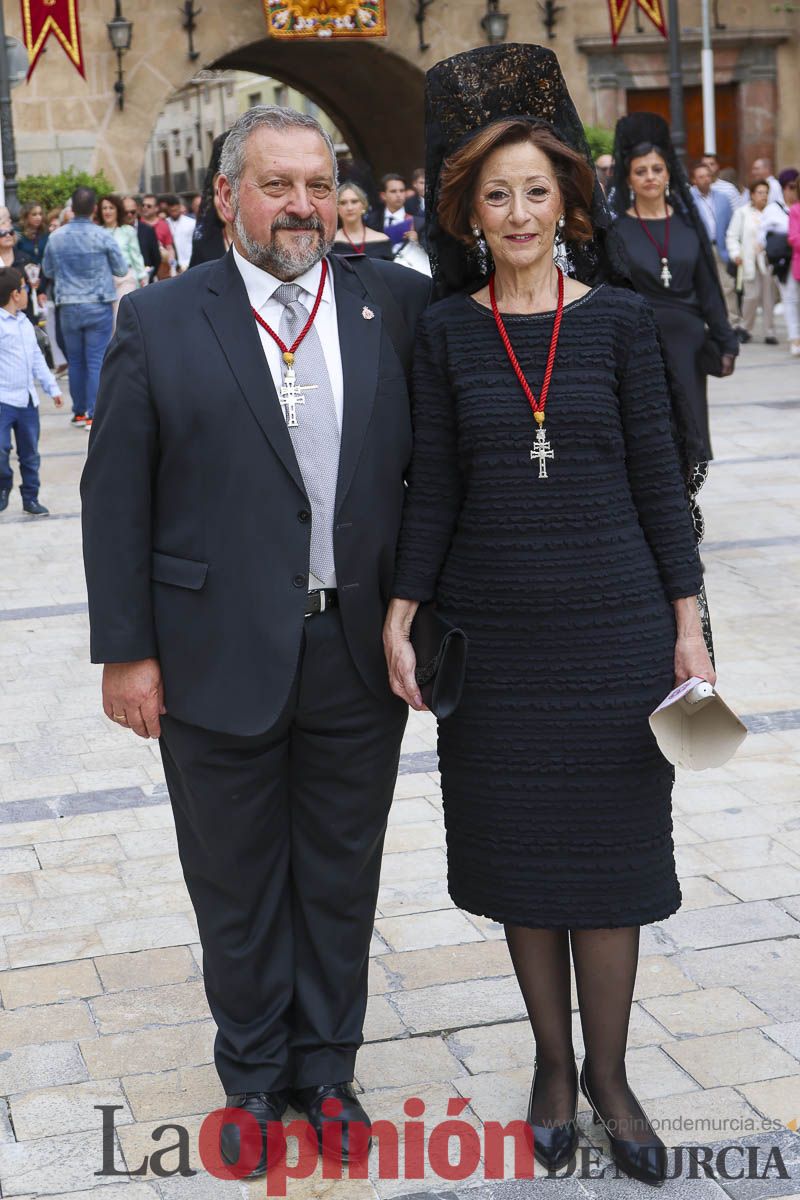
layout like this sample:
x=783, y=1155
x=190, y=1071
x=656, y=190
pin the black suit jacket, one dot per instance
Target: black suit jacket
x=148, y=244
x=195, y=516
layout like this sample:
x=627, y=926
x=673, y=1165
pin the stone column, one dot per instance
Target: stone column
x=606, y=95
x=758, y=109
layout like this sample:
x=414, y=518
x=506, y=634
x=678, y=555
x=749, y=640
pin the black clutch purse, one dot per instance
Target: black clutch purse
x=710, y=357
x=441, y=651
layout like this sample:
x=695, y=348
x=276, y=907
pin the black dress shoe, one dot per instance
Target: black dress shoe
x=35, y=509
x=771, y=340
x=265, y=1107
x=3, y=500
x=355, y=1143
x=554, y=1145
x=742, y=335
x=645, y=1161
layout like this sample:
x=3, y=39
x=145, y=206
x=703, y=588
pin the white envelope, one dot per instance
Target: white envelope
x=696, y=735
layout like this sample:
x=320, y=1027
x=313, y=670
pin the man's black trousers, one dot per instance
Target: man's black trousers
x=280, y=838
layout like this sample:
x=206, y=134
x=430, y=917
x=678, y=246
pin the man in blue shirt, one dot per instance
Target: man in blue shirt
x=22, y=366
x=83, y=259
x=715, y=212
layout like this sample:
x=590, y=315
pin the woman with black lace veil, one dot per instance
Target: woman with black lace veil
x=548, y=516
x=671, y=260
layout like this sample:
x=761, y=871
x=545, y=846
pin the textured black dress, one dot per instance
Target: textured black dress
x=692, y=301
x=557, y=801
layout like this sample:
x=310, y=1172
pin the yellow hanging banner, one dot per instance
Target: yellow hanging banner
x=325, y=18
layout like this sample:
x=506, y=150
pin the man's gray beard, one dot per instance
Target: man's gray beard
x=281, y=262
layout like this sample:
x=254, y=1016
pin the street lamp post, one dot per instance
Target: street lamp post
x=495, y=23
x=120, y=31
x=7, y=150
x=677, y=121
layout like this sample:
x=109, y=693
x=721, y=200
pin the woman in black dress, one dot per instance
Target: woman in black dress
x=353, y=236
x=567, y=555
x=671, y=261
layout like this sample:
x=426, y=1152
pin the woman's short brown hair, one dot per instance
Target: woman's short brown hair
x=461, y=170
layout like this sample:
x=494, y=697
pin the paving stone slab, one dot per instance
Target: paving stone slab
x=47, y=1112
x=26, y=1067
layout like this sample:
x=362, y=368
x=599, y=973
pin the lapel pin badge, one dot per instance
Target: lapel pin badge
x=367, y=313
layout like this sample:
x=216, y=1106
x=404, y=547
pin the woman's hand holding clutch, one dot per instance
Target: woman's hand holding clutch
x=400, y=657
x=691, y=653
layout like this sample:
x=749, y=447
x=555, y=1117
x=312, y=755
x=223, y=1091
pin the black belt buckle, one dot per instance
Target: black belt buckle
x=321, y=600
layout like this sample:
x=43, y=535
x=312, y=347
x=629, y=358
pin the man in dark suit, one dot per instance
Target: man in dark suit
x=148, y=242
x=241, y=507
x=390, y=216
x=415, y=203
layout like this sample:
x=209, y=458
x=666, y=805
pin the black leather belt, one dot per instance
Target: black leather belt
x=320, y=600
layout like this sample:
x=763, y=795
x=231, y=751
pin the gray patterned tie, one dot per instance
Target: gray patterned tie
x=316, y=437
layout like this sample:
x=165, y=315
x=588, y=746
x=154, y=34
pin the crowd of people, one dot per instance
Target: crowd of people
x=754, y=233
x=72, y=291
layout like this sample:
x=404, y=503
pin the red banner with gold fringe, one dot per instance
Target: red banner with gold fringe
x=40, y=18
x=618, y=11
x=325, y=18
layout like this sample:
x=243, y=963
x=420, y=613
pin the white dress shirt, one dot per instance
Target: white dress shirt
x=261, y=287
x=730, y=190
x=182, y=229
x=394, y=218
x=22, y=363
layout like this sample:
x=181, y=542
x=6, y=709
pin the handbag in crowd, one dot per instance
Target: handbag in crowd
x=779, y=253
x=441, y=650
x=710, y=357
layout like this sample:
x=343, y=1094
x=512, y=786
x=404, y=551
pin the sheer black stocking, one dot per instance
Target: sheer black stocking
x=605, y=973
x=541, y=963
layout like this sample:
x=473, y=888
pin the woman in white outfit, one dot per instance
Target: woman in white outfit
x=776, y=220
x=745, y=248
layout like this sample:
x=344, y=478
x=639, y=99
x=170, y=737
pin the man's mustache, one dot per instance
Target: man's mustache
x=310, y=224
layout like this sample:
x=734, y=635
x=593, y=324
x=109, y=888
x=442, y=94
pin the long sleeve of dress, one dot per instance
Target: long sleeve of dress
x=653, y=468
x=434, y=493
x=712, y=304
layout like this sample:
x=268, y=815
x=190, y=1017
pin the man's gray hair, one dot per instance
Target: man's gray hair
x=232, y=160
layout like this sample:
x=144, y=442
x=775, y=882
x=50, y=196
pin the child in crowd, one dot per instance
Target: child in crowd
x=22, y=366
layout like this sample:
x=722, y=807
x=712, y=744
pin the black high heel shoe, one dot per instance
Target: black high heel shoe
x=645, y=1161
x=554, y=1145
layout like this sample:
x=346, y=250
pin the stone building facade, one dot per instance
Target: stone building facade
x=373, y=89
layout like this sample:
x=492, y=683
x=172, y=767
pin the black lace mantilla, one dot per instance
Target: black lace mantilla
x=463, y=95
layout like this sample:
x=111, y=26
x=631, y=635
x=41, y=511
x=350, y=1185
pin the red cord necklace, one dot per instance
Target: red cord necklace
x=291, y=394
x=541, y=448
x=288, y=351
x=663, y=251
x=362, y=249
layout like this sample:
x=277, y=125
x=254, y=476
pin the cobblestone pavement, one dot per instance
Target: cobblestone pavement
x=102, y=999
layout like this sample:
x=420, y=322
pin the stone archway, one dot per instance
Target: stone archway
x=373, y=89
x=383, y=125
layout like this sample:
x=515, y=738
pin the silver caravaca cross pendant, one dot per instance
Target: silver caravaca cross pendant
x=666, y=274
x=542, y=451
x=291, y=395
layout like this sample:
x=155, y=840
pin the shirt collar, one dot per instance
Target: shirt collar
x=9, y=316
x=400, y=215
x=261, y=286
